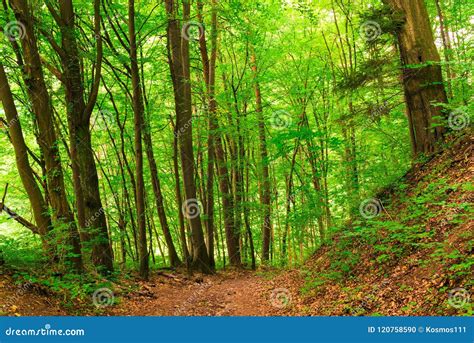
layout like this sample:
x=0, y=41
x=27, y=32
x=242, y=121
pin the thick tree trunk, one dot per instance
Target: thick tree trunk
x=266, y=195
x=90, y=212
x=42, y=107
x=38, y=204
x=424, y=84
x=138, y=121
x=179, y=65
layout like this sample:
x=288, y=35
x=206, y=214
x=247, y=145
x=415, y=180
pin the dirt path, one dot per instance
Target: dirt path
x=224, y=294
x=229, y=293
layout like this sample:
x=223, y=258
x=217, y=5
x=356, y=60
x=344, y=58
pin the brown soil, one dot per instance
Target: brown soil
x=26, y=299
x=234, y=293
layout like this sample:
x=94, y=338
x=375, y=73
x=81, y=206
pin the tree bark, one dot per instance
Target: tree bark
x=179, y=67
x=423, y=85
x=446, y=47
x=138, y=121
x=155, y=180
x=90, y=212
x=209, y=66
x=179, y=202
x=42, y=107
x=215, y=140
x=38, y=204
x=266, y=195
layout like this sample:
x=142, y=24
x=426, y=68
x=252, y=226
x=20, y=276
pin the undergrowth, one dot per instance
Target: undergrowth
x=416, y=219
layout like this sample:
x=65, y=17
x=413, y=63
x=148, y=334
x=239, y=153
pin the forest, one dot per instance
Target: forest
x=236, y=157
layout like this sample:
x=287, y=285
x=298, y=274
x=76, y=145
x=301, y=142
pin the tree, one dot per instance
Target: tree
x=422, y=76
x=265, y=188
x=215, y=143
x=38, y=204
x=138, y=123
x=90, y=211
x=42, y=107
x=179, y=67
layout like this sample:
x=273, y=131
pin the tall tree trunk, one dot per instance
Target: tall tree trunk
x=232, y=237
x=38, y=204
x=247, y=219
x=266, y=195
x=173, y=255
x=90, y=212
x=423, y=85
x=290, y=199
x=316, y=176
x=174, y=259
x=209, y=68
x=179, y=66
x=138, y=124
x=42, y=107
x=179, y=201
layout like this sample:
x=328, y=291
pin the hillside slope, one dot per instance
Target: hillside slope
x=415, y=257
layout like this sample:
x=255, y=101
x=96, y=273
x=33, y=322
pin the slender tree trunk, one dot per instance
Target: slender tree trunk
x=138, y=123
x=174, y=259
x=179, y=201
x=179, y=66
x=266, y=195
x=38, y=204
x=446, y=47
x=232, y=237
x=209, y=71
x=209, y=67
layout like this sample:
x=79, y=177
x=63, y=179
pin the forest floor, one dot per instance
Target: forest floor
x=233, y=293
x=228, y=293
x=26, y=299
x=408, y=262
